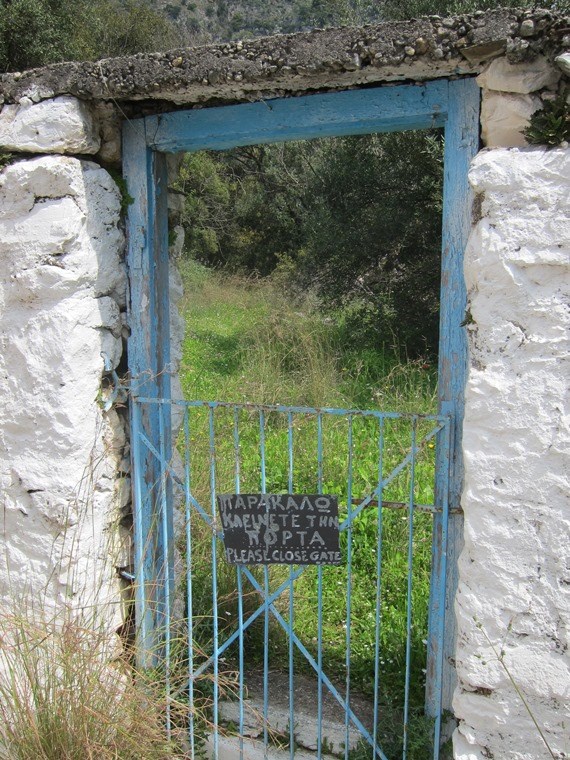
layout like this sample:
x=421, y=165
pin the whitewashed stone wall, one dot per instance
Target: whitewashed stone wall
x=64, y=459
x=513, y=603
x=62, y=302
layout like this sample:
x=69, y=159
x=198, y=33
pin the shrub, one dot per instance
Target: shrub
x=551, y=125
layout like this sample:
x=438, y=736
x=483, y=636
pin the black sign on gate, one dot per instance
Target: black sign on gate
x=286, y=529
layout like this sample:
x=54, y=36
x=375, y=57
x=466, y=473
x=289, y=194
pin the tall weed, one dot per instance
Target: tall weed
x=68, y=693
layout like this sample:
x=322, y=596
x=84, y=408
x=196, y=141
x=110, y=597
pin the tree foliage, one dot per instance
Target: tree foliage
x=355, y=219
x=38, y=32
x=32, y=32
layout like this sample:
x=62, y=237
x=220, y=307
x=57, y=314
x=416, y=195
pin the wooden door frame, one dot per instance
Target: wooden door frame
x=453, y=105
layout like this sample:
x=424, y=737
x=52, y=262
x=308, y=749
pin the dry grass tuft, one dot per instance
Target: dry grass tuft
x=66, y=693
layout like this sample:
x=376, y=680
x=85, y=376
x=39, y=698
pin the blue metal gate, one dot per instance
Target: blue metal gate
x=382, y=466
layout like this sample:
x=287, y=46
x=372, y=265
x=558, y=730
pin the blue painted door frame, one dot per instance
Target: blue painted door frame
x=453, y=105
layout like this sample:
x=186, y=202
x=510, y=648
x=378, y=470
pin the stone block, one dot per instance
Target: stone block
x=60, y=125
x=229, y=748
x=306, y=735
x=522, y=78
x=504, y=116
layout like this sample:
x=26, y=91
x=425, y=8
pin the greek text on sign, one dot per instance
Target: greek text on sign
x=286, y=529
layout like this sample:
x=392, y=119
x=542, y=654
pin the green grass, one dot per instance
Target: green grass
x=246, y=341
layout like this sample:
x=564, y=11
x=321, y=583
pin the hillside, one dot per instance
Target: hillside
x=202, y=21
x=209, y=20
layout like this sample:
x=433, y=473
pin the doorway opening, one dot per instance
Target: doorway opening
x=267, y=637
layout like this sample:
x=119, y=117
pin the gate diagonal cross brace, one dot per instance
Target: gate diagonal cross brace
x=311, y=660
x=297, y=573
x=268, y=603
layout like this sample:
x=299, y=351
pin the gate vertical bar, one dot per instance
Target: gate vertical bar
x=189, y=600
x=215, y=632
x=165, y=571
x=291, y=589
x=461, y=145
x=409, y=591
x=149, y=362
x=237, y=486
x=445, y=442
x=265, y=598
x=378, y=606
x=348, y=586
x=320, y=602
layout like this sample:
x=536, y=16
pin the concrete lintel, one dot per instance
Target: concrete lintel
x=416, y=50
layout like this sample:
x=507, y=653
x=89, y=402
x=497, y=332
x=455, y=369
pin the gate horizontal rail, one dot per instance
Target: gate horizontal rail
x=355, y=634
